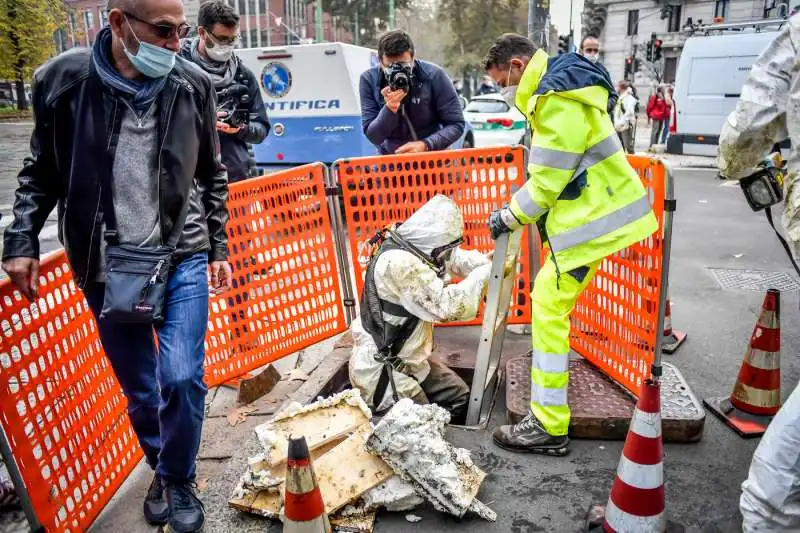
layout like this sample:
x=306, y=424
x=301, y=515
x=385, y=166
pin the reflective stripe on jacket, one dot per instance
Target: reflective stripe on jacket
x=578, y=173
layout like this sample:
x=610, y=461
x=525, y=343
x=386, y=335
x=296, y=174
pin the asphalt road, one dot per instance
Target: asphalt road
x=14, y=145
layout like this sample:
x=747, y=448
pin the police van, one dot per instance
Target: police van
x=311, y=94
x=713, y=68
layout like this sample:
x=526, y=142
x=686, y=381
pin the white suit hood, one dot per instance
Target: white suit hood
x=437, y=223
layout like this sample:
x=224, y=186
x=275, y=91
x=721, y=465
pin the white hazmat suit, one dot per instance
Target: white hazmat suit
x=404, y=279
x=770, y=500
x=768, y=112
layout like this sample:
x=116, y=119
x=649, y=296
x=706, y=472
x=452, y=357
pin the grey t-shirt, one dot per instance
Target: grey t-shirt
x=135, y=182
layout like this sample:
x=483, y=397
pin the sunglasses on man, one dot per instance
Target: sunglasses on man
x=163, y=30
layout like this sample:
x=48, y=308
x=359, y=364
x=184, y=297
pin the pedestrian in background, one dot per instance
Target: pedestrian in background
x=658, y=113
x=240, y=123
x=590, y=48
x=668, y=124
x=625, y=116
x=125, y=143
x=487, y=87
x=422, y=113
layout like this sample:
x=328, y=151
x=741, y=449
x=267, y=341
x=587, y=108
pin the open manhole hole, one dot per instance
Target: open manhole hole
x=754, y=280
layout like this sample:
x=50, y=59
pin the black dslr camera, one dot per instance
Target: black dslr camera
x=399, y=77
x=235, y=101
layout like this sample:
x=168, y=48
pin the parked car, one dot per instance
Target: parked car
x=494, y=122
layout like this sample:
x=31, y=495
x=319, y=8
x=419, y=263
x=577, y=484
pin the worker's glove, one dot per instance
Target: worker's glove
x=503, y=221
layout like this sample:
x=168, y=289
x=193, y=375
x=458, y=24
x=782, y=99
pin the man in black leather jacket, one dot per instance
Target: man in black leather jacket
x=163, y=159
x=218, y=25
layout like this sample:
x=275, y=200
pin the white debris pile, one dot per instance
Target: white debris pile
x=396, y=466
x=394, y=495
x=411, y=439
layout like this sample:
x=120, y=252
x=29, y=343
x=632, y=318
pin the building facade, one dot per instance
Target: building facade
x=625, y=27
x=263, y=23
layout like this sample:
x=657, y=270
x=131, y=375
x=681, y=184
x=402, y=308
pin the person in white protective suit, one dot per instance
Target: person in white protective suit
x=767, y=113
x=770, y=499
x=406, y=291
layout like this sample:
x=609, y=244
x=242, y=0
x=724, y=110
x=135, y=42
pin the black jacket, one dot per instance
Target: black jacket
x=235, y=154
x=63, y=168
x=432, y=107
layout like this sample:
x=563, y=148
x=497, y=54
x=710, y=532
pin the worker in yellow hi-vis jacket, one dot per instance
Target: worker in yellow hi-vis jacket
x=587, y=201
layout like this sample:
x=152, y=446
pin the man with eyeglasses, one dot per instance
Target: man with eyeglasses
x=242, y=116
x=129, y=125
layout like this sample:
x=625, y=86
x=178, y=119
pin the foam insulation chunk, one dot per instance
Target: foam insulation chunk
x=411, y=439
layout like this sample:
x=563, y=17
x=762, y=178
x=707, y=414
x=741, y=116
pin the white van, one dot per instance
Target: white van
x=311, y=94
x=709, y=81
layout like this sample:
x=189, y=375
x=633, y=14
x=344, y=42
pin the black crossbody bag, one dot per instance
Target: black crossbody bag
x=136, y=276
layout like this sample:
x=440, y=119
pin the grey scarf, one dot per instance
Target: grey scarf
x=221, y=73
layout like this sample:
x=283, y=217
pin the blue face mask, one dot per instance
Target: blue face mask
x=151, y=60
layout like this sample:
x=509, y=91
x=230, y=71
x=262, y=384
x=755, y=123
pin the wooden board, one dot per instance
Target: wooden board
x=268, y=502
x=319, y=427
x=343, y=474
x=348, y=471
x=364, y=523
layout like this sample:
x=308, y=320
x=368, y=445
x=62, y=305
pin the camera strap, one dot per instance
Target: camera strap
x=768, y=212
x=408, y=122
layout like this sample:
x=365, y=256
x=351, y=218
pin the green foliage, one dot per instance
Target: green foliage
x=26, y=35
x=373, y=16
x=475, y=24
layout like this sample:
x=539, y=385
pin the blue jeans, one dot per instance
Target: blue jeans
x=665, y=133
x=164, y=385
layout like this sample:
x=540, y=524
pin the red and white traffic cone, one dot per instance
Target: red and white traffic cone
x=636, y=502
x=672, y=338
x=304, y=509
x=756, y=396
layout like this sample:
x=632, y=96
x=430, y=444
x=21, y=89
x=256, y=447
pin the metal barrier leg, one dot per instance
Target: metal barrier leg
x=490, y=346
x=19, y=484
x=340, y=240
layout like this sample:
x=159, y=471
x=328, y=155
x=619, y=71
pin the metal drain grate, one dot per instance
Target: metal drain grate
x=754, y=280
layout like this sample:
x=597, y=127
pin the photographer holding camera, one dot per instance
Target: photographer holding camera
x=408, y=105
x=240, y=108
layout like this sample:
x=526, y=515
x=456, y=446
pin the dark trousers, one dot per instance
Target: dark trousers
x=446, y=389
x=164, y=384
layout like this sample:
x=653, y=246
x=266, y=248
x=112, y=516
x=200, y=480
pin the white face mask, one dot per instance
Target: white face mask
x=509, y=94
x=221, y=53
x=594, y=58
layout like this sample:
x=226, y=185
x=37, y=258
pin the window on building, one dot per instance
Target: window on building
x=674, y=23
x=73, y=22
x=721, y=8
x=252, y=5
x=88, y=19
x=262, y=6
x=254, y=37
x=266, y=38
x=104, y=17
x=242, y=4
x=633, y=22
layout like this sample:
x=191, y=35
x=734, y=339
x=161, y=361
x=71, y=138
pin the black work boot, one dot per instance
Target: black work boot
x=529, y=436
x=186, y=511
x=156, y=511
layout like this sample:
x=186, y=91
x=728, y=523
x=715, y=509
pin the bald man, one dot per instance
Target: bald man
x=125, y=144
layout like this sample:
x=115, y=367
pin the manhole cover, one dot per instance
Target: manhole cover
x=754, y=280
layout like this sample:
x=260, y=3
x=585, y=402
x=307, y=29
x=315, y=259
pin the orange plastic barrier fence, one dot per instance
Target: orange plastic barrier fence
x=615, y=323
x=63, y=411
x=287, y=294
x=380, y=190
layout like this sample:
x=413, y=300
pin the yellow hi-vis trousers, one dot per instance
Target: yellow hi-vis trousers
x=552, y=301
